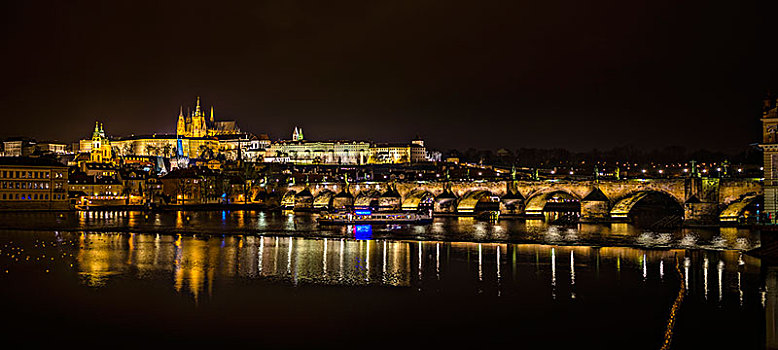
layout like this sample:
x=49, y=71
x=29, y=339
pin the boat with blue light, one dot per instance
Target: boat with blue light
x=367, y=216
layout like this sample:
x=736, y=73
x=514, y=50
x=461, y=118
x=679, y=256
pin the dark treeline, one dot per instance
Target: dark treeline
x=534, y=157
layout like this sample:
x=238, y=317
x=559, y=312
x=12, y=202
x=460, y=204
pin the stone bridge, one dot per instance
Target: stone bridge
x=695, y=200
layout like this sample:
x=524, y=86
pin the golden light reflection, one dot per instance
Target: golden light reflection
x=192, y=264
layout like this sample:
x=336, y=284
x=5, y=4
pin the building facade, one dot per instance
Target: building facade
x=386, y=153
x=318, y=152
x=299, y=151
x=28, y=183
x=770, y=147
x=52, y=147
x=18, y=147
x=197, y=136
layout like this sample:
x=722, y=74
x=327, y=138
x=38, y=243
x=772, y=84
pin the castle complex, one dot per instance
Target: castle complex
x=195, y=124
x=199, y=136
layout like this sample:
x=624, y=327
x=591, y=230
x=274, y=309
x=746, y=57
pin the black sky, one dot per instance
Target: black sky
x=571, y=74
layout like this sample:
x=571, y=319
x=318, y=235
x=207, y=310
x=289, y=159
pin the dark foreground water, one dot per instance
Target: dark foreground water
x=287, y=283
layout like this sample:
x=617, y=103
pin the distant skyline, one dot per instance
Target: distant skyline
x=558, y=74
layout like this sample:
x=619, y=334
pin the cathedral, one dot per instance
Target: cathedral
x=195, y=124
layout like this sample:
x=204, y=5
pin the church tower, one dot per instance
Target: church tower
x=198, y=126
x=101, y=146
x=181, y=126
x=297, y=135
x=770, y=148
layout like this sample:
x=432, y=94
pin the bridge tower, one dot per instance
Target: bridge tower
x=769, y=146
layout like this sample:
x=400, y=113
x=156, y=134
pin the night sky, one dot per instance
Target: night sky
x=571, y=74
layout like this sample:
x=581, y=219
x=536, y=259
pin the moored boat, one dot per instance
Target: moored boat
x=365, y=216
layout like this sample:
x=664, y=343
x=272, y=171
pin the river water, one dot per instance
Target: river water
x=272, y=279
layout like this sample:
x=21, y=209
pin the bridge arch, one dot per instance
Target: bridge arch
x=536, y=203
x=663, y=202
x=476, y=200
x=368, y=198
x=303, y=200
x=732, y=212
x=446, y=202
x=323, y=200
x=287, y=201
x=418, y=199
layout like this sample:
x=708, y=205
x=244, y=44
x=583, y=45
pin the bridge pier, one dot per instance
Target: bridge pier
x=595, y=211
x=700, y=213
x=595, y=207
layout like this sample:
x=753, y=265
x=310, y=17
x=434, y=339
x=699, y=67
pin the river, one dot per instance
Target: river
x=274, y=279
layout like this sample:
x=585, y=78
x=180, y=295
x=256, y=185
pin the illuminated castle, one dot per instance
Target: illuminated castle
x=195, y=124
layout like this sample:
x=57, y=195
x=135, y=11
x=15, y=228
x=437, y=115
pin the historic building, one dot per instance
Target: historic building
x=18, y=147
x=100, y=152
x=33, y=183
x=51, y=147
x=388, y=153
x=197, y=136
x=770, y=147
x=299, y=151
x=399, y=153
x=96, y=191
x=195, y=124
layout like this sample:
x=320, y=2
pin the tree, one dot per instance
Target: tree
x=126, y=149
x=126, y=191
x=184, y=188
x=249, y=176
x=167, y=150
x=151, y=150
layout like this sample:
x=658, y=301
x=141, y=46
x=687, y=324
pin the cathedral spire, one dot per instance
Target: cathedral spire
x=211, y=115
x=181, y=125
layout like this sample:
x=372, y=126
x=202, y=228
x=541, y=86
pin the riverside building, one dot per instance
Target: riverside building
x=28, y=183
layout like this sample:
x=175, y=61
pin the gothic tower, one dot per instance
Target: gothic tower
x=198, y=127
x=181, y=126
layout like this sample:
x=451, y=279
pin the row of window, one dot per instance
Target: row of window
x=76, y=187
x=24, y=185
x=21, y=174
x=33, y=196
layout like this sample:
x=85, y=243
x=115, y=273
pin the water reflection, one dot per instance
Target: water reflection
x=196, y=265
x=442, y=229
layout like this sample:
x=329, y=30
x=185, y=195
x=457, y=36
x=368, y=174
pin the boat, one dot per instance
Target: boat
x=366, y=216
